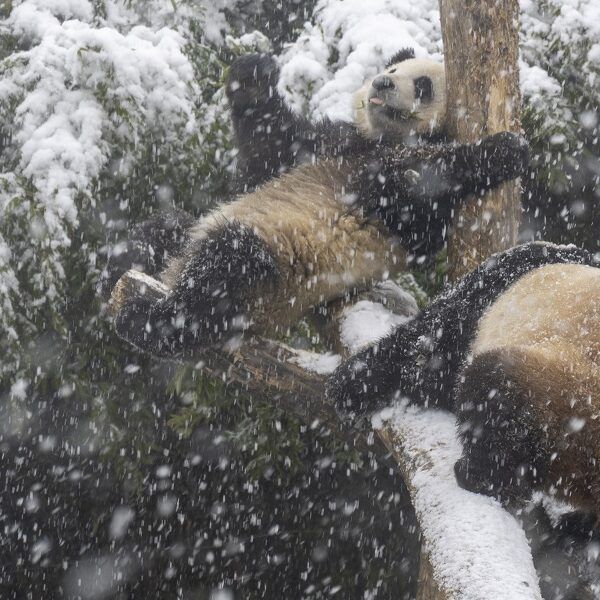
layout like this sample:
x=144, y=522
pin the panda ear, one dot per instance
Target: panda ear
x=402, y=55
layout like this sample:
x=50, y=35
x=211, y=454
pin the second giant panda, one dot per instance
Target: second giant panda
x=370, y=201
x=514, y=351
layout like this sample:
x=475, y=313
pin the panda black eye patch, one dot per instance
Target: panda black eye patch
x=423, y=89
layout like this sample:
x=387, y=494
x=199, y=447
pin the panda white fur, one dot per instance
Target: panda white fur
x=384, y=105
x=367, y=202
x=514, y=351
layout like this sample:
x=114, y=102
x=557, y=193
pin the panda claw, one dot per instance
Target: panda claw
x=509, y=152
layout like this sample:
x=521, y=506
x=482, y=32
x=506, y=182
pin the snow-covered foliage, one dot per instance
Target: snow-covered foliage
x=93, y=96
x=349, y=41
x=560, y=79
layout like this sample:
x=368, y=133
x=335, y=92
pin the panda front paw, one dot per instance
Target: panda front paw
x=507, y=155
x=251, y=81
x=350, y=391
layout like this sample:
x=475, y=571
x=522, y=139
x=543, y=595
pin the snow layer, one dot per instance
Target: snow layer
x=157, y=14
x=85, y=91
x=322, y=364
x=348, y=42
x=366, y=322
x=478, y=550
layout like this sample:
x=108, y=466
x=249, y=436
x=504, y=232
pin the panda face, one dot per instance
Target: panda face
x=408, y=99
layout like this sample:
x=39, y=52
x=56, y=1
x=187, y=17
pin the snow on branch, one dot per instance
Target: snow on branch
x=476, y=549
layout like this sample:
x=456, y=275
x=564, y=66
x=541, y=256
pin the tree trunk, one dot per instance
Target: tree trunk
x=481, y=55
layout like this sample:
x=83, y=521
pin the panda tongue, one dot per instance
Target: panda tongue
x=377, y=101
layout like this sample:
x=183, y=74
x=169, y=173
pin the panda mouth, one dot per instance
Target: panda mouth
x=392, y=113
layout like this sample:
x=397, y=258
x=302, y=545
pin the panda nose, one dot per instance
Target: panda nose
x=383, y=83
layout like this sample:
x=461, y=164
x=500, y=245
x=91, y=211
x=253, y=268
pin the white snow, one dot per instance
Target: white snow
x=366, y=322
x=348, y=42
x=18, y=389
x=323, y=364
x=120, y=521
x=477, y=549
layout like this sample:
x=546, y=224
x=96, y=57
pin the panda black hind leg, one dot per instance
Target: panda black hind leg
x=505, y=450
x=528, y=421
x=218, y=282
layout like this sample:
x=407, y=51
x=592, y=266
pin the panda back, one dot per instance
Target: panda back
x=321, y=241
x=555, y=308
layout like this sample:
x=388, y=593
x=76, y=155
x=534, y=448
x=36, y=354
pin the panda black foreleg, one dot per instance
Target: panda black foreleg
x=433, y=174
x=459, y=170
x=415, y=193
x=505, y=451
x=269, y=137
x=213, y=299
x=373, y=378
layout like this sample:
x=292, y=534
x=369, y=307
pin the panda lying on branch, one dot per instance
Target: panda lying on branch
x=371, y=201
x=514, y=351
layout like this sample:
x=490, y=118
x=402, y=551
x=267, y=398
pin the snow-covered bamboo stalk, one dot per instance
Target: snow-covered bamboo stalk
x=481, y=50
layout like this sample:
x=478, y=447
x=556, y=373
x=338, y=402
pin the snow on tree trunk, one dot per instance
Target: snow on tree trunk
x=481, y=42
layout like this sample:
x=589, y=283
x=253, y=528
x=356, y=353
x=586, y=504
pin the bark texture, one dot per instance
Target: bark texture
x=481, y=46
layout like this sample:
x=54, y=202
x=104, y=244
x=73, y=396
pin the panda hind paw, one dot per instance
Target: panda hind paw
x=131, y=322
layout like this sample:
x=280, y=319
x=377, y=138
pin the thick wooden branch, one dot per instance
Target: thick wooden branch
x=268, y=369
x=481, y=56
x=262, y=367
x=472, y=548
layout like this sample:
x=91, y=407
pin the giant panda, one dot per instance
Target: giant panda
x=269, y=140
x=370, y=201
x=514, y=351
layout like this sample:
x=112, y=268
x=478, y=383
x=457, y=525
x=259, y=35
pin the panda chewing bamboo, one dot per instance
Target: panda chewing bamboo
x=368, y=200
